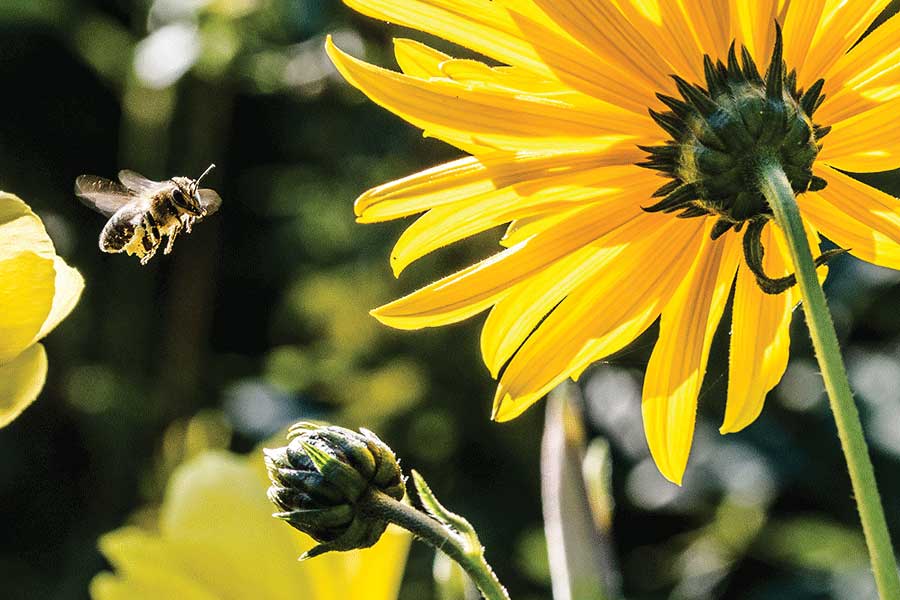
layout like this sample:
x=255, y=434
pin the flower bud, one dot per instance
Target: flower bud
x=320, y=477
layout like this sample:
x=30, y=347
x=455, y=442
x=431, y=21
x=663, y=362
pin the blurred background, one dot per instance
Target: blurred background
x=260, y=318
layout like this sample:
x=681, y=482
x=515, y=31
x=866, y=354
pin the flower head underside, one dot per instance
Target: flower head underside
x=558, y=138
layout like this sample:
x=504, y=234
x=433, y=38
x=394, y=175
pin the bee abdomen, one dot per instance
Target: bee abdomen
x=116, y=234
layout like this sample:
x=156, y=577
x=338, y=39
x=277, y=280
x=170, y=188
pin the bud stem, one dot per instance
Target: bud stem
x=379, y=505
x=777, y=189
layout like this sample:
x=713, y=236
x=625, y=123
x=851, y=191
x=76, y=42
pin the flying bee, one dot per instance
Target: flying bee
x=142, y=211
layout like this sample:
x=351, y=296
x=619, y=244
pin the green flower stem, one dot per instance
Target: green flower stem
x=382, y=506
x=777, y=190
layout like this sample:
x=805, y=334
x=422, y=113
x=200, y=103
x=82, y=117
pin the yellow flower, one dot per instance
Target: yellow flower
x=216, y=539
x=555, y=133
x=37, y=291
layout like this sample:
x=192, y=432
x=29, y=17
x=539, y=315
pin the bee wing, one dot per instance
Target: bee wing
x=137, y=183
x=101, y=194
x=210, y=200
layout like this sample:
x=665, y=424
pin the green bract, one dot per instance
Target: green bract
x=720, y=136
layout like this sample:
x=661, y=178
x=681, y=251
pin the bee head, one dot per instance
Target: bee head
x=185, y=196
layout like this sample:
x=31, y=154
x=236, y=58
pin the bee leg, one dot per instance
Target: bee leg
x=150, y=252
x=152, y=229
x=152, y=238
x=173, y=233
x=186, y=222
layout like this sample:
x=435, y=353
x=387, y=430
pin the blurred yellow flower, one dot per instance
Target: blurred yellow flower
x=216, y=538
x=37, y=291
x=559, y=134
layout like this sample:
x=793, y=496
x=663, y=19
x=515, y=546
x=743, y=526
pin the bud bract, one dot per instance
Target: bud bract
x=319, y=478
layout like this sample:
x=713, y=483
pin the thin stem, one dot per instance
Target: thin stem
x=777, y=190
x=382, y=506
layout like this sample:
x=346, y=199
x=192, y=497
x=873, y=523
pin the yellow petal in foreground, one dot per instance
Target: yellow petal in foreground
x=418, y=60
x=477, y=24
x=678, y=362
x=843, y=23
x=444, y=225
x=612, y=305
x=799, y=28
x=866, y=142
x=760, y=339
x=21, y=381
x=856, y=216
x=468, y=115
x=600, y=26
x=866, y=76
x=463, y=179
x=472, y=290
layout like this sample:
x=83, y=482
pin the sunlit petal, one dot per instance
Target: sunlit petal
x=476, y=288
x=867, y=142
x=678, y=363
x=447, y=224
x=607, y=310
x=21, y=381
x=26, y=298
x=856, y=216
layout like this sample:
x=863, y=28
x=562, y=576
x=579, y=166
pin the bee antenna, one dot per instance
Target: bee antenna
x=208, y=169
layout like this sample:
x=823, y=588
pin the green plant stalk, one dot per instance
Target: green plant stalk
x=382, y=506
x=777, y=190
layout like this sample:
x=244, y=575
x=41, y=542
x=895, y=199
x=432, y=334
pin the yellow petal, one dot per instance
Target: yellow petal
x=468, y=115
x=475, y=288
x=799, y=28
x=68, y=285
x=218, y=502
x=841, y=25
x=866, y=142
x=475, y=73
x=444, y=225
x=522, y=229
x=760, y=338
x=711, y=21
x=856, y=216
x=465, y=178
x=515, y=316
x=480, y=25
x=21, y=381
x=217, y=539
x=620, y=293
x=515, y=33
x=753, y=24
x=21, y=229
x=418, y=60
x=864, y=77
x=147, y=568
x=26, y=297
x=373, y=573
x=601, y=26
x=678, y=363
x=666, y=26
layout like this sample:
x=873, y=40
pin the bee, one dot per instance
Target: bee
x=142, y=211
